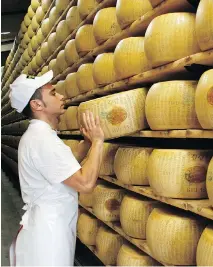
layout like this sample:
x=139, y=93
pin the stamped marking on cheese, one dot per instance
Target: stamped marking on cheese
x=196, y=174
x=117, y=115
x=210, y=96
x=112, y=204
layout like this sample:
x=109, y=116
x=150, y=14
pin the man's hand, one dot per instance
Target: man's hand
x=91, y=128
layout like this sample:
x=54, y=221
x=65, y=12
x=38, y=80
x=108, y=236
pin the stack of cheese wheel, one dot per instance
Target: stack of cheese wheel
x=53, y=16
x=62, y=123
x=71, y=53
x=204, y=256
x=61, y=61
x=85, y=7
x=204, y=24
x=209, y=181
x=171, y=105
x=62, y=31
x=73, y=18
x=84, y=78
x=108, y=243
x=87, y=234
x=120, y=114
x=85, y=40
x=60, y=88
x=53, y=43
x=204, y=100
x=106, y=202
x=109, y=152
x=129, y=255
x=173, y=235
x=71, y=86
x=61, y=5
x=128, y=11
x=53, y=66
x=134, y=213
x=162, y=39
x=71, y=117
x=130, y=165
x=179, y=173
x=103, y=69
x=130, y=58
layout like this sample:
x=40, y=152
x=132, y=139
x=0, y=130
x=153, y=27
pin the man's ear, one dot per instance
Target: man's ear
x=36, y=105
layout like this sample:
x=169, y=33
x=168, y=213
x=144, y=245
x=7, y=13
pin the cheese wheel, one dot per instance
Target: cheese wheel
x=84, y=78
x=61, y=62
x=130, y=58
x=155, y=3
x=120, y=114
x=30, y=32
x=39, y=59
x=130, y=165
x=40, y=36
x=62, y=31
x=60, y=88
x=86, y=199
x=85, y=7
x=23, y=27
x=108, y=244
x=177, y=235
x=45, y=4
x=30, y=50
x=45, y=27
x=84, y=39
x=128, y=11
x=30, y=71
x=26, y=56
x=30, y=12
x=103, y=69
x=53, y=43
x=88, y=234
x=71, y=54
x=204, y=100
x=105, y=24
x=209, y=181
x=27, y=20
x=53, y=66
x=44, y=70
x=109, y=151
x=71, y=118
x=35, y=4
x=171, y=105
x=35, y=24
x=34, y=43
x=73, y=18
x=26, y=39
x=71, y=89
x=45, y=52
x=61, y=5
x=129, y=255
x=179, y=173
x=134, y=213
x=204, y=24
x=54, y=16
x=204, y=255
x=170, y=37
x=106, y=202
x=39, y=14
x=34, y=65
x=62, y=123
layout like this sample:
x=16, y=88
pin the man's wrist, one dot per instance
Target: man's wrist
x=98, y=141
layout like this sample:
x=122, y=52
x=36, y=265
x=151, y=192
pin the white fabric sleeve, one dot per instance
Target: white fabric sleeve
x=54, y=160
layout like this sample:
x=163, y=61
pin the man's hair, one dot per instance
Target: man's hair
x=27, y=111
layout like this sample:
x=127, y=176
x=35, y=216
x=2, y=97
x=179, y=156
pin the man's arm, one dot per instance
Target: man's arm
x=82, y=149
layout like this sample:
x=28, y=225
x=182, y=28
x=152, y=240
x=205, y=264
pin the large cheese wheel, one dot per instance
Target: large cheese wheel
x=39, y=59
x=60, y=88
x=204, y=255
x=44, y=70
x=34, y=43
x=204, y=24
x=204, y=100
x=105, y=24
x=87, y=234
x=35, y=24
x=84, y=39
x=130, y=165
x=109, y=152
x=84, y=78
x=129, y=255
x=178, y=173
x=45, y=52
x=45, y=27
x=54, y=16
x=45, y=4
x=170, y=37
x=52, y=41
x=27, y=20
x=61, y=62
x=62, y=123
x=73, y=145
x=106, y=202
x=108, y=244
x=130, y=58
x=171, y=105
x=72, y=89
x=34, y=64
x=35, y=4
x=85, y=7
x=134, y=213
x=40, y=36
x=62, y=31
x=53, y=66
x=39, y=14
x=30, y=12
x=71, y=54
x=173, y=235
x=86, y=199
x=61, y=5
x=120, y=114
x=209, y=181
x=103, y=69
x=30, y=32
x=73, y=18
x=128, y=11
x=71, y=118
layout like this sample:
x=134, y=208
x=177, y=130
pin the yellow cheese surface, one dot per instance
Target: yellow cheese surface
x=85, y=7
x=209, y=181
x=71, y=53
x=84, y=78
x=71, y=118
x=73, y=18
x=71, y=85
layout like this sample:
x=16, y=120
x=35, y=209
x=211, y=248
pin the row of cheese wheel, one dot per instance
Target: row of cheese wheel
x=174, y=173
x=15, y=128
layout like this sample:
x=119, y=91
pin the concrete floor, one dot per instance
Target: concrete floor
x=11, y=210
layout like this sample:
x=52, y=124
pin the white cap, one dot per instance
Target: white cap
x=24, y=87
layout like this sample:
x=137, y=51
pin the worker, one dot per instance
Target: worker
x=49, y=174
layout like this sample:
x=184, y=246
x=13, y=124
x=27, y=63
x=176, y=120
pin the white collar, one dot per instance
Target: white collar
x=42, y=123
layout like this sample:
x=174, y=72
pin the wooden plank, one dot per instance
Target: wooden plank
x=201, y=207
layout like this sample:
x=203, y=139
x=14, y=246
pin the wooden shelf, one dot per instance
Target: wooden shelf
x=201, y=207
x=171, y=71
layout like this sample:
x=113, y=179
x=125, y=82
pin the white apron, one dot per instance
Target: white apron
x=47, y=236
